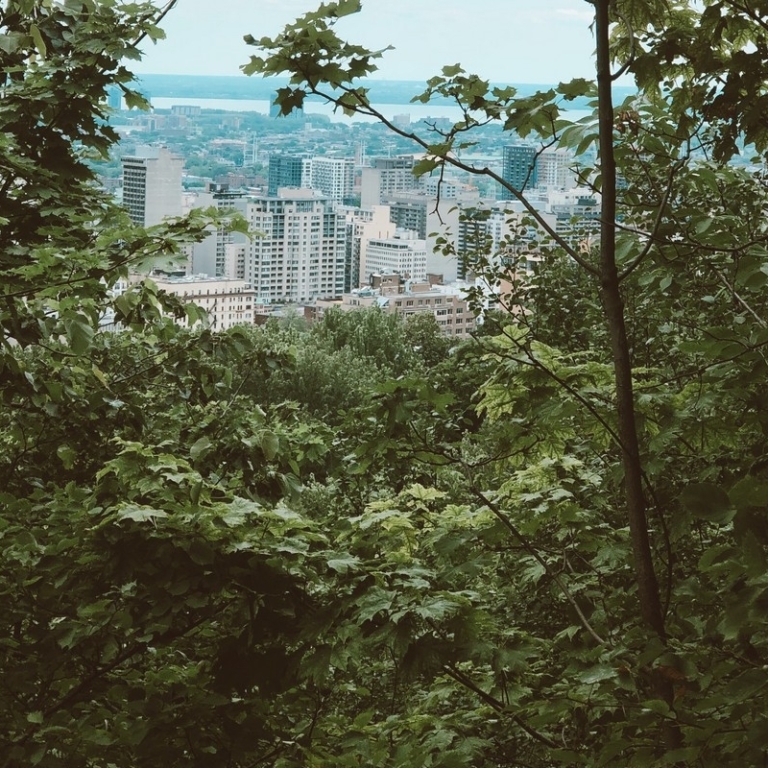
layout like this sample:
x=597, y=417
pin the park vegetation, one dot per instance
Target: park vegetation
x=362, y=543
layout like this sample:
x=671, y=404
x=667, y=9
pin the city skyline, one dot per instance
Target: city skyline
x=524, y=41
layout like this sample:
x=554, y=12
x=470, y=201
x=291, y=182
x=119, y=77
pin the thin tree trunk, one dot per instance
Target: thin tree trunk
x=610, y=288
x=647, y=585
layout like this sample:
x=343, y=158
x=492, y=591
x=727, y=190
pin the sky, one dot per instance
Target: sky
x=514, y=41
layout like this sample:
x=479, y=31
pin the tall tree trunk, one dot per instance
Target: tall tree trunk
x=647, y=584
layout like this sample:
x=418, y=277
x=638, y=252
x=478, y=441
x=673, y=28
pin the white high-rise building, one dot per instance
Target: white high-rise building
x=333, y=176
x=299, y=251
x=386, y=176
x=152, y=185
x=554, y=169
x=403, y=254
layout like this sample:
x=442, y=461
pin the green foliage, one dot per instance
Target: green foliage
x=296, y=51
x=361, y=541
x=540, y=555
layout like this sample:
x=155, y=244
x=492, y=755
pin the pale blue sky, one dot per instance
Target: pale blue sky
x=523, y=41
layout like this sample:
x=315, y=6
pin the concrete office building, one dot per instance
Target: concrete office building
x=301, y=253
x=386, y=176
x=403, y=254
x=450, y=189
x=152, y=185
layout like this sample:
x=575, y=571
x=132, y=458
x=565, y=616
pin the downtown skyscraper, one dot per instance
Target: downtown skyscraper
x=518, y=168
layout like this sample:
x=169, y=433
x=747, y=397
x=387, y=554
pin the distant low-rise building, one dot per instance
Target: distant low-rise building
x=227, y=301
x=186, y=110
x=446, y=303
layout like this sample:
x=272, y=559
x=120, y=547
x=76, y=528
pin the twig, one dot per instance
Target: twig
x=532, y=551
x=499, y=706
x=732, y=291
x=652, y=235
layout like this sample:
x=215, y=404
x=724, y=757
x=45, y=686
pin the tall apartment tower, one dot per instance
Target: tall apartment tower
x=333, y=176
x=295, y=113
x=301, y=253
x=409, y=210
x=114, y=97
x=386, y=176
x=152, y=185
x=518, y=168
x=284, y=171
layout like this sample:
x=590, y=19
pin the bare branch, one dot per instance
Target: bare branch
x=499, y=706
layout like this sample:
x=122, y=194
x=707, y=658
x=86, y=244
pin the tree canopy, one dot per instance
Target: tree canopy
x=361, y=542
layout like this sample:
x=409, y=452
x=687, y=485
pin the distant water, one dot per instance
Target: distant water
x=416, y=112
x=253, y=88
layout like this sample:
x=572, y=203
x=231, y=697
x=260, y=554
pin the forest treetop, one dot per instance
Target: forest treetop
x=359, y=543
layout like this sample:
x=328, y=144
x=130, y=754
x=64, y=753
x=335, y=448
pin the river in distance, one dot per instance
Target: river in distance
x=415, y=112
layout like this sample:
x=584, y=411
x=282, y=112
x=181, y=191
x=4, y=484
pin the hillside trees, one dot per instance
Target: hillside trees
x=164, y=582
x=146, y=560
x=640, y=441
x=280, y=547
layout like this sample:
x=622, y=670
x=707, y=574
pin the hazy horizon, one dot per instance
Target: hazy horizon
x=519, y=41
